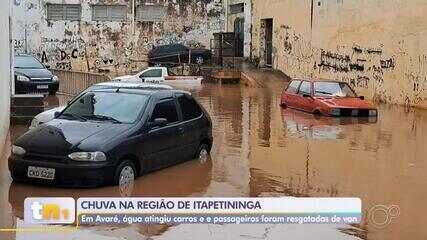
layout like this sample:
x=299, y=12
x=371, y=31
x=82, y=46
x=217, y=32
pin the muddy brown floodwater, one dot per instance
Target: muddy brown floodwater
x=261, y=149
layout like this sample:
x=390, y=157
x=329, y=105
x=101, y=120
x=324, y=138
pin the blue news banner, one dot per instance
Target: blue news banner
x=111, y=211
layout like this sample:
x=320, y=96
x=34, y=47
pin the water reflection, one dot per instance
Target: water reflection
x=301, y=124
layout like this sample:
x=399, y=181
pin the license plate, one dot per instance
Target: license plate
x=40, y=172
x=42, y=86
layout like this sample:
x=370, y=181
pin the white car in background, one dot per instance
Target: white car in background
x=48, y=115
x=161, y=75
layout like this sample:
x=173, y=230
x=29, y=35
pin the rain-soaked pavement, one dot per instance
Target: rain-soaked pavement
x=263, y=150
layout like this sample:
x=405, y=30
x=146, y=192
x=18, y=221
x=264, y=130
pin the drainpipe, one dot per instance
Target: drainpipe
x=133, y=17
x=311, y=18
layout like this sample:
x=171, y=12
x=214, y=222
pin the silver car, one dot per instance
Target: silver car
x=48, y=115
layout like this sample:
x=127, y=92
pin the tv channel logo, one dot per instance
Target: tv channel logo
x=60, y=210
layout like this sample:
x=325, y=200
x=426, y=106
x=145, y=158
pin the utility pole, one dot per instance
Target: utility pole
x=24, y=5
x=226, y=15
x=133, y=17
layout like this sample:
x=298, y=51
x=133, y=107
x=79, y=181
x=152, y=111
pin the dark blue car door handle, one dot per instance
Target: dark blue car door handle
x=181, y=130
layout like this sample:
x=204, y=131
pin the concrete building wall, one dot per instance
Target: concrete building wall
x=378, y=46
x=111, y=46
x=5, y=70
x=5, y=80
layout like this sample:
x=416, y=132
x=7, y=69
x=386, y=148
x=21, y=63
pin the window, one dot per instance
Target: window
x=70, y=12
x=116, y=13
x=293, y=86
x=189, y=107
x=152, y=73
x=335, y=89
x=165, y=109
x=27, y=62
x=237, y=8
x=305, y=88
x=150, y=13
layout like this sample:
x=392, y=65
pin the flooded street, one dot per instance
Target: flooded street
x=261, y=150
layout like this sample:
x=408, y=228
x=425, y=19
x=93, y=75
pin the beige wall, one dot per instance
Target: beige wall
x=5, y=72
x=378, y=46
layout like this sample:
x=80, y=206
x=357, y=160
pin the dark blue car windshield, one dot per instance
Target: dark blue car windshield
x=27, y=62
x=107, y=106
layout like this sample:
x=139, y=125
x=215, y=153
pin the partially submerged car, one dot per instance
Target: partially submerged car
x=31, y=76
x=48, y=115
x=160, y=75
x=177, y=53
x=111, y=136
x=326, y=97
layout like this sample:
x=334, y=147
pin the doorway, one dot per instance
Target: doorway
x=268, y=52
x=239, y=30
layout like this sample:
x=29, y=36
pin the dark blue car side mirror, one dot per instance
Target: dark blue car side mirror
x=159, y=122
x=56, y=114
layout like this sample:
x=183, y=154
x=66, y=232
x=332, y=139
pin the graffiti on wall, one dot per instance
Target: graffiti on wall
x=358, y=66
x=110, y=46
x=18, y=45
x=61, y=54
x=334, y=61
x=363, y=67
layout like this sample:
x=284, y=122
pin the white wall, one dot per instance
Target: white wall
x=5, y=71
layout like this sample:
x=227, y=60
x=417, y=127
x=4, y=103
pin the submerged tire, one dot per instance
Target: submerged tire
x=203, y=153
x=125, y=173
x=200, y=60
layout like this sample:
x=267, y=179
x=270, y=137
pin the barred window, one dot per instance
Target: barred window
x=151, y=13
x=237, y=8
x=70, y=12
x=114, y=13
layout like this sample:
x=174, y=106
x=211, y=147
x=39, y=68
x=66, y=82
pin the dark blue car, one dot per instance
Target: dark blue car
x=111, y=136
x=31, y=76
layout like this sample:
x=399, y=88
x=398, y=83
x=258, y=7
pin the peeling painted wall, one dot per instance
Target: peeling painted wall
x=247, y=16
x=379, y=47
x=106, y=46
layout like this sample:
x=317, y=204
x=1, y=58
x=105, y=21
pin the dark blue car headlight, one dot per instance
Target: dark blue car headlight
x=88, y=156
x=17, y=150
x=22, y=78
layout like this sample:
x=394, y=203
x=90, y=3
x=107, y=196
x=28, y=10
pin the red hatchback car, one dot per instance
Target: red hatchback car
x=326, y=97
